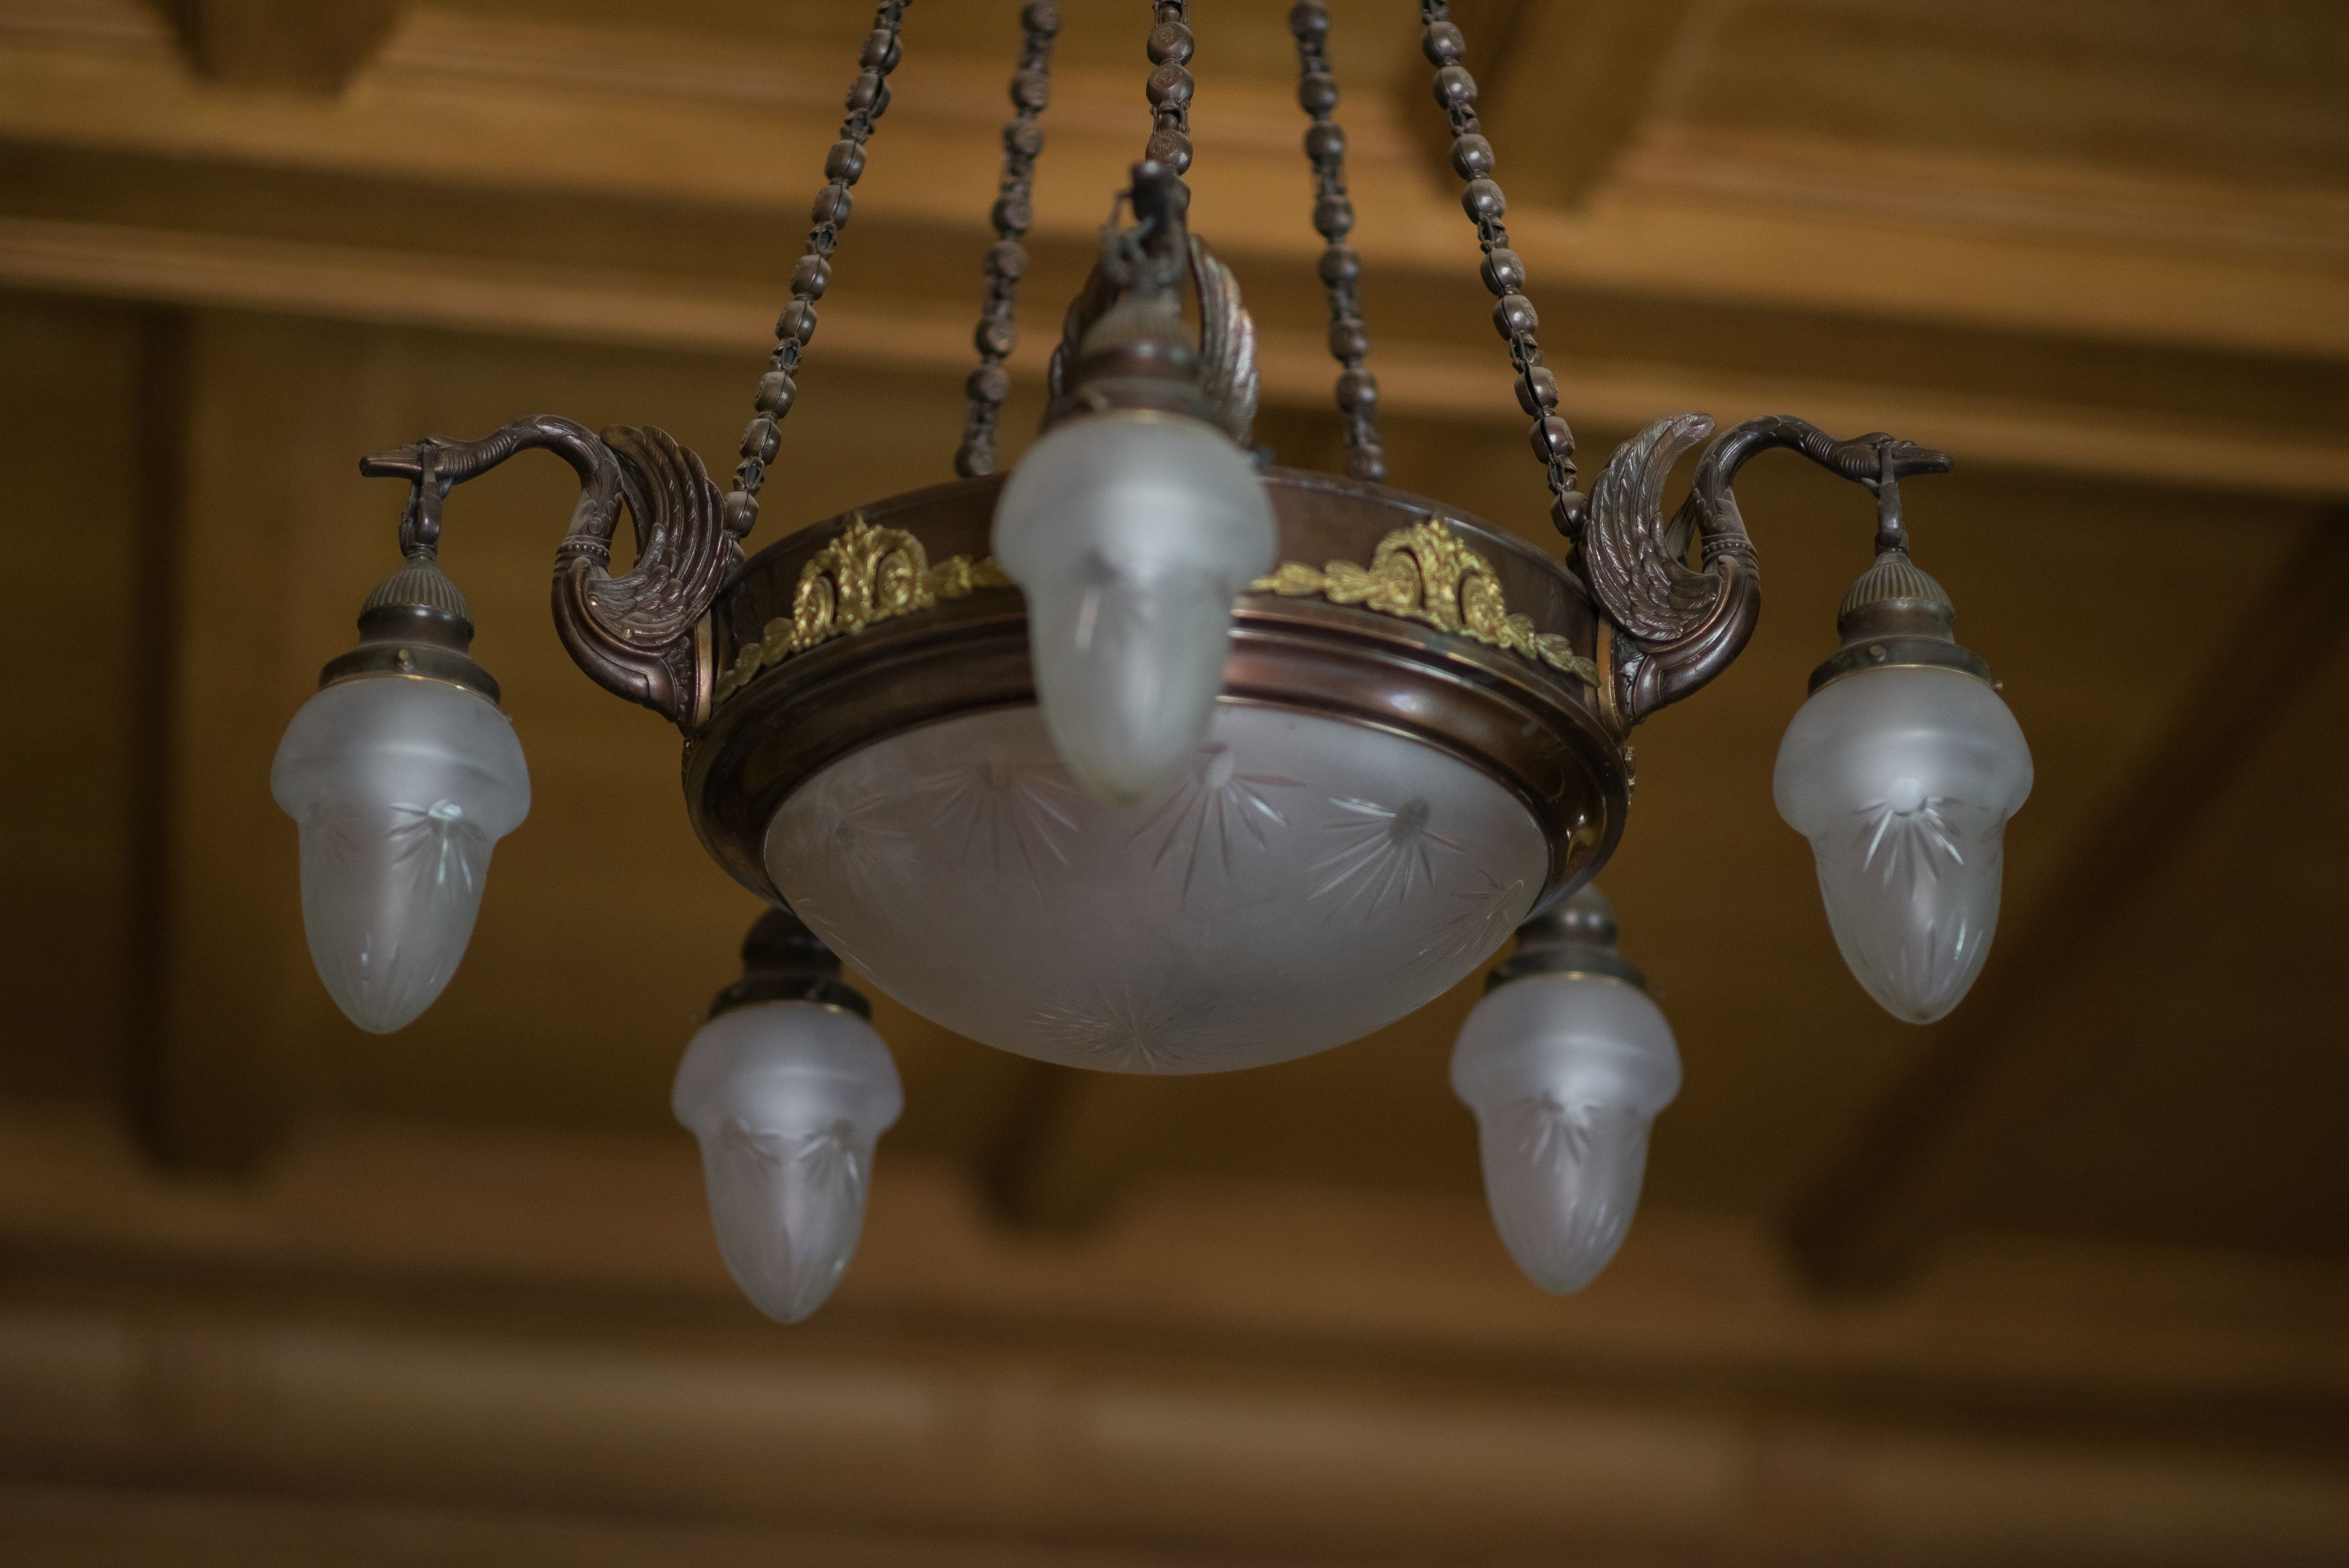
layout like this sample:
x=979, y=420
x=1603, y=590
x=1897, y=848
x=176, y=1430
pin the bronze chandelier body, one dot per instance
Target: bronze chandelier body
x=1371, y=631
x=1388, y=608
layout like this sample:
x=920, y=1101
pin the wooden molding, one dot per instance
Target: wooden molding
x=2013, y=195
x=285, y=44
x=428, y=1319
x=474, y=103
x=413, y=288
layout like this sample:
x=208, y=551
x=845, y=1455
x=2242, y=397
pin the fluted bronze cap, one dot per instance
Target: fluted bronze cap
x=1896, y=615
x=415, y=623
x=419, y=586
x=783, y=961
x=1894, y=583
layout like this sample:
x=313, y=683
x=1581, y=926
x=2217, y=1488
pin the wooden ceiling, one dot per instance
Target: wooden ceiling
x=2060, y=1279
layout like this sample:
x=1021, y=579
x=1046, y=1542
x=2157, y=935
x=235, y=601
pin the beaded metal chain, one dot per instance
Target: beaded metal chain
x=1170, y=87
x=1333, y=219
x=1023, y=139
x=1504, y=271
x=868, y=95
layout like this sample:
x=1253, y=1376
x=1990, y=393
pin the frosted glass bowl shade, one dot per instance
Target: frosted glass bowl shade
x=1566, y=1074
x=1903, y=779
x=1308, y=880
x=787, y=1100
x=400, y=785
x=1131, y=532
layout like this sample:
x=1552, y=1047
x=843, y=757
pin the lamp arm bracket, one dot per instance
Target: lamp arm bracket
x=1673, y=627
x=642, y=636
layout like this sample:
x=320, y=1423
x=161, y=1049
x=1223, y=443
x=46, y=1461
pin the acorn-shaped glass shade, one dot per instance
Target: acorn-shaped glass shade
x=787, y=1100
x=1903, y=779
x=400, y=785
x=1131, y=532
x=1566, y=1073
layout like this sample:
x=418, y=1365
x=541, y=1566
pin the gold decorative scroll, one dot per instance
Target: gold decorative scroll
x=866, y=575
x=1428, y=574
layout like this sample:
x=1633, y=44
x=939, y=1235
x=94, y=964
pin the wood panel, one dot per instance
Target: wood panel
x=2243, y=923
x=2245, y=94
x=274, y=44
x=449, y=1296
x=102, y=1527
x=1928, y=1148
x=451, y=1324
x=454, y=103
x=74, y=764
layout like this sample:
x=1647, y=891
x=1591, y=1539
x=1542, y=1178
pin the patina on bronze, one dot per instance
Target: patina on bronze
x=1388, y=610
x=1536, y=728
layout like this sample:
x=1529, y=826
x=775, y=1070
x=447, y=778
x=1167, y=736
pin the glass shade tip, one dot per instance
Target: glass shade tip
x=1566, y=1073
x=1903, y=779
x=400, y=787
x=787, y=1100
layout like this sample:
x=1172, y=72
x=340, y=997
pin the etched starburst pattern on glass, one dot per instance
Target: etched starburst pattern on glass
x=400, y=787
x=859, y=832
x=1928, y=860
x=1479, y=920
x=439, y=850
x=1218, y=816
x=858, y=850
x=1907, y=837
x=786, y=1098
x=1130, y=1027
x=427, y=864
x=1042, y=921
x=1384, y=856
x=1005, y=812
x=1565, y=1181
x=787, y=1207
x=1903, y=779
x=1565, y=1072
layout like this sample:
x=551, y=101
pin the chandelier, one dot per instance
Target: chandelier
x=1152, y=756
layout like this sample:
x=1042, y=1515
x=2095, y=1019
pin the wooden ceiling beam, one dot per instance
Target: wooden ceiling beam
x=464, y=104
x=1901, y=1181
x=554, y=1231
x=300, y=45
x=410, y=287
x=216, y=1084
x=403, y=1318
x=1064, y=1153
x=1564, y=87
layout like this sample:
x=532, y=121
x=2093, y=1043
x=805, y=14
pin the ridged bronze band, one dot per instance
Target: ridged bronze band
x=1530, y=727
x=1896, y=653
x=415, y=660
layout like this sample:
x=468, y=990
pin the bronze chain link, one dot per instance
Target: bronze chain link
x=1504, y=271
x=868, y=97
x=1170, y=86
x=998, y=334
x=1333, y=219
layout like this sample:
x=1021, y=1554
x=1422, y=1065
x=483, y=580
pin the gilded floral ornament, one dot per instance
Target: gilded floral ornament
x=1428, y=574
x=865, y=575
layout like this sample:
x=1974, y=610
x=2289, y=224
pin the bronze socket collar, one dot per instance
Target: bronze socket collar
x=783, y=961
x=1136, y=357
x=1574, y=936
